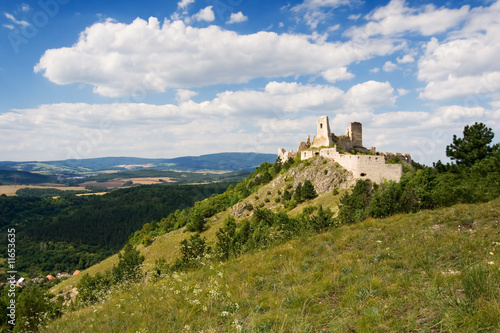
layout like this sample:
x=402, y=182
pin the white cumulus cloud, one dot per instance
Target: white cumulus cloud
x=337, y=74
x=371, y=94
x=184, y=3
x=206, y=14
x=396, y=18
x=389, y=66
x=466, y=63
x=237, y=18
x=144, y=56
x=407, y=58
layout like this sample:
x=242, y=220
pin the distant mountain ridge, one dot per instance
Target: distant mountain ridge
x=218, y=162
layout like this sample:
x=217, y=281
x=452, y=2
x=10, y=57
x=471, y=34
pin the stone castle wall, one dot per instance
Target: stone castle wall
x=371, y=167
x=355, y=133
x=362, y=166
x=285, y=155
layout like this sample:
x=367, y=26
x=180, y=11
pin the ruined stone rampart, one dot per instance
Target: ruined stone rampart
x=364, y=166
x=371, y=166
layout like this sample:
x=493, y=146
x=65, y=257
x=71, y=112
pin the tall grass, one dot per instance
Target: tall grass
x=432, y=271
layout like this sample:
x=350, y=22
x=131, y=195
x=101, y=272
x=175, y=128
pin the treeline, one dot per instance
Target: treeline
x=68, y=233
x=9, y=177
x=46, y=192
x=474, y=177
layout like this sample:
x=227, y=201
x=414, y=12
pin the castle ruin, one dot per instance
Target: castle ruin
x=348, y=151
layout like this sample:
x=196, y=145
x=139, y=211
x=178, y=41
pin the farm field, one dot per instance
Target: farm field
x=112, y=183
x=10, y=190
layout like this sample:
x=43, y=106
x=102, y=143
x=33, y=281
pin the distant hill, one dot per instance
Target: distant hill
x=214, y=162
x=9, y=177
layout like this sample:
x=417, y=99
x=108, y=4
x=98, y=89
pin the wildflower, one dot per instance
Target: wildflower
x=224, y=314
x=220, y=274
x=205, y=309
x=379, y=241
x=176, y=292
x=491, y=263
x=237, y=325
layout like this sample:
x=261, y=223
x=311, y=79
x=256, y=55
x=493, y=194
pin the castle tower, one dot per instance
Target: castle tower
x=323, y=136
x=355, y=134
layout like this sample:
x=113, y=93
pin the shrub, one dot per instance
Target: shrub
x=297, y=196
x=129, y=265
x=93, y=289
x=192, y=251
x=308, y=191
x=33, y=308
x=385, y=201
x=226, y=242
x=353, y=206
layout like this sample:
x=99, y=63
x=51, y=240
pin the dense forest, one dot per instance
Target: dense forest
x=8, y=177
x=71, y=232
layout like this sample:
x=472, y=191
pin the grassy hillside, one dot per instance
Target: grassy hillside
x=167, y=246
x=431, y=271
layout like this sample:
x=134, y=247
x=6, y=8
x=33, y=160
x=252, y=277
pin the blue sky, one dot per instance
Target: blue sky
x=81, y=79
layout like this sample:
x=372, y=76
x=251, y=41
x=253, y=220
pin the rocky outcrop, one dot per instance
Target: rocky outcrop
x=324, y=175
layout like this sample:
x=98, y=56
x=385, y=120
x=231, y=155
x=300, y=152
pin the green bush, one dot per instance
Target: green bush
x=353, y=206
x=192, y=251
x=129, y=265
x=197, y=223
x=34, y=308
x=93, y=289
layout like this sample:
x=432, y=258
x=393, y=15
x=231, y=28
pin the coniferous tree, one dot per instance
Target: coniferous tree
x=473, y=147
x=297, y=196
x=308, y=191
